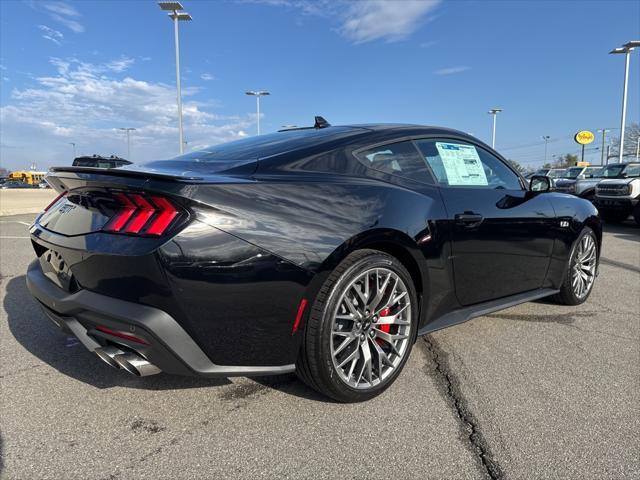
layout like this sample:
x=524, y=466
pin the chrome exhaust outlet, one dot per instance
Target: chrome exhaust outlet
x=135, y=364
x=107, y=355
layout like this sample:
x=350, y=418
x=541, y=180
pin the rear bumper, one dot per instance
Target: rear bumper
x=167, y=344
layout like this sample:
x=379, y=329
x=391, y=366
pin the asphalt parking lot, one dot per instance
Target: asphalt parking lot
x=536, y=391
x=25, y=200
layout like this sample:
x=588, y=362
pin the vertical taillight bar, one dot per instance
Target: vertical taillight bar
x=139, y=214
x=167, y=214
x=121, y=218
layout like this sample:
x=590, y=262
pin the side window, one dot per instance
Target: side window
x=400, y=158
x=632, y=171
x=458, y=164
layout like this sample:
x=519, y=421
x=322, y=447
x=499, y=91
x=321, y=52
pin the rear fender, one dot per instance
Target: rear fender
x=392, y=242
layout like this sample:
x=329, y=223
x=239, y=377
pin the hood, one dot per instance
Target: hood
x=588, y=181
x=618, y=181
x=565, y=181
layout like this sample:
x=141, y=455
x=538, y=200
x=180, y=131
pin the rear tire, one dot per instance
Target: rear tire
x=361, y=328
x=581, y=270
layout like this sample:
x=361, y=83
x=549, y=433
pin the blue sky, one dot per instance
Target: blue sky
x=76, y=71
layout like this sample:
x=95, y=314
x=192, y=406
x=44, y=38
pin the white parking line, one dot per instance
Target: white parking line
x=16, y=221
x=3, y=236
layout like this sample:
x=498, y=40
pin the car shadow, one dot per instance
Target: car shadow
x=41, y=338
x=628, y=230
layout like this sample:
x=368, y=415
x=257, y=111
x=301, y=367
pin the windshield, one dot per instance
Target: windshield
x=555, y=173
x=93, y=162
x=592, y=171
x=610, y=171
x=632, y=170
x=573, y=172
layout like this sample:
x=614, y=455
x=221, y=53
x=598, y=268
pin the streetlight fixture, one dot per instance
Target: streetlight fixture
x=627, y=48
x=494, y=112
x=128, y=131
x=257, y=94
x=74, y=149
x=177, y=16
x=546, y=139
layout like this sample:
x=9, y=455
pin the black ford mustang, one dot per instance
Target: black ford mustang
x=324, y=250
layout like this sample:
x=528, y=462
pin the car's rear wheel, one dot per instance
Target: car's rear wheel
x=581, y=270
x=361, y=328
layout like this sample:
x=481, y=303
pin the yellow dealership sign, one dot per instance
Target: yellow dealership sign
x=584, y=137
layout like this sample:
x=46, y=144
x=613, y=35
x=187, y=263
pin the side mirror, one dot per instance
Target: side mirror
x=540, y=183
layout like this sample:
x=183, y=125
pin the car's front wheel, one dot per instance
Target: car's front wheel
x=581, y=270
x=361, y=328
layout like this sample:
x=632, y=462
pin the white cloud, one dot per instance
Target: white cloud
x=52, y=35
x=72, y=25
x=428, y=44
x=452, y=70
x=385, y=19
x=366, y=20
x=66, y=14
x=85, y=103
x=62, y=8
x=121, y=64
x=207, y=76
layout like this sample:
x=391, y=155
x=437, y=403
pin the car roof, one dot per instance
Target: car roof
x=298, y=139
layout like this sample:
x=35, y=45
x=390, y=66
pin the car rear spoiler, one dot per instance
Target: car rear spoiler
x=128, y=173
x=69, y=178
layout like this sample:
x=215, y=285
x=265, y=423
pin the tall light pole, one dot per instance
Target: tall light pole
x=604, y=139
x=546, y=139
x=177, y=16
x=627, y=48
x=494, y=112
x=74, y=148
x=128, y=131
x=257, y=94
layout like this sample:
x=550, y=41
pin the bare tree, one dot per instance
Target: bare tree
x=631, y=136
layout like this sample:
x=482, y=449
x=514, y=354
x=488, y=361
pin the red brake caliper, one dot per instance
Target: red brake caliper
x=385, y=327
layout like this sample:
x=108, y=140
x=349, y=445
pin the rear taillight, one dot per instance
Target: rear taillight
x=142, y=215
x=121, y=334
x=55, y=200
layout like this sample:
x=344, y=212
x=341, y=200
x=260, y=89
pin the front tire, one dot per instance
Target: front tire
x=361, y=328
x=581, y=270
x=636, y=213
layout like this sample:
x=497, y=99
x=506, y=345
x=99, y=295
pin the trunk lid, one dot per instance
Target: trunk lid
x=94, y=197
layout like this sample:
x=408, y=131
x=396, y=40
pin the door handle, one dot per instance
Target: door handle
x=469, y=219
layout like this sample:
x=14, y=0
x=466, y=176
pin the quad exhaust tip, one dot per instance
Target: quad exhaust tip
x=107, y=354
x=135, y=364
x=131, y=362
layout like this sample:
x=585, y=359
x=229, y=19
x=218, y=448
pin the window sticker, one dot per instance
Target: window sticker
x=462, y=164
